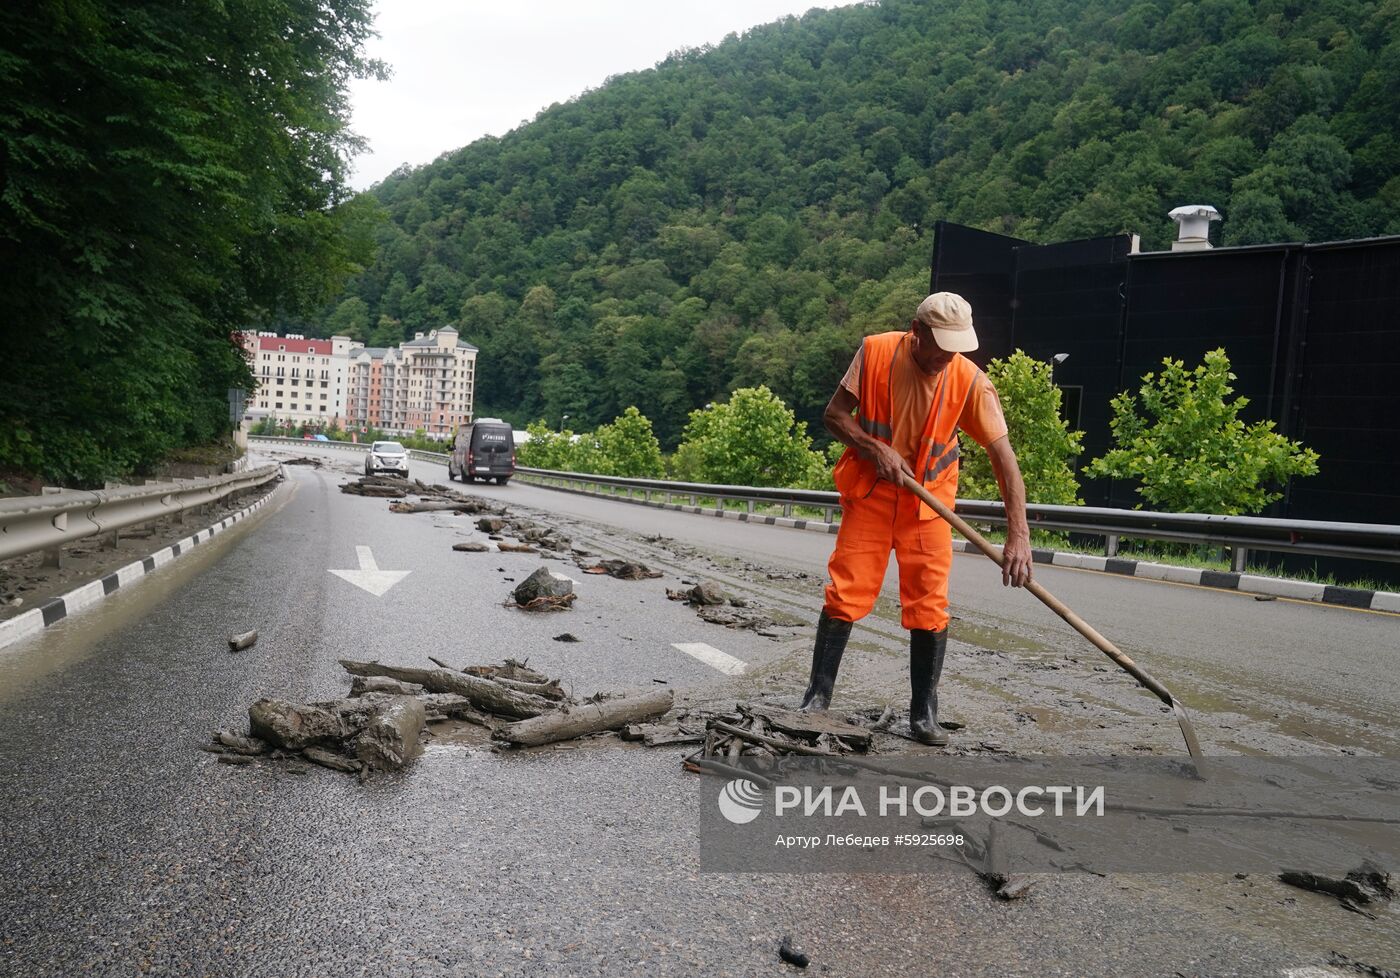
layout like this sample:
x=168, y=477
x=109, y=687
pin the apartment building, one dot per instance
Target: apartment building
x=299, y=380
x=427, y=383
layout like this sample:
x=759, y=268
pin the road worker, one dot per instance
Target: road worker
x=898, y=410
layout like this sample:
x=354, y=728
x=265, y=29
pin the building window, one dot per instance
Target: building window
x=278, y=405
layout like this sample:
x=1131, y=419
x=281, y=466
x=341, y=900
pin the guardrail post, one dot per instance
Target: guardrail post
x=1110, y=545
x=826, y=513
x=787, y=509
x=750, y=502
x=53, y=557
x=693, y=501
x=668, y=498
x=1240, y=560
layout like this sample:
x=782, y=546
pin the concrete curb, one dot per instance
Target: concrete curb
x=56, y=609
x=1278, y=587
x=1223, y=580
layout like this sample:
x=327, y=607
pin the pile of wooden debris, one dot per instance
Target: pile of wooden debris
x=380, y=724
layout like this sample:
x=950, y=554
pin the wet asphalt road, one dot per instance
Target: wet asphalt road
x=128, y=851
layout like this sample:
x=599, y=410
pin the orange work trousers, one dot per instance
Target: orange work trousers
x=889, y=519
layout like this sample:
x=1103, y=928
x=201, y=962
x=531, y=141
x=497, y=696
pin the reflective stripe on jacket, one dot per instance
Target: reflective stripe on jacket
x=855, y=477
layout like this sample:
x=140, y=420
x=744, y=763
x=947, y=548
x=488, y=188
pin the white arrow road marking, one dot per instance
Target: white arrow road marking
x=369, y=577
x=713, y=657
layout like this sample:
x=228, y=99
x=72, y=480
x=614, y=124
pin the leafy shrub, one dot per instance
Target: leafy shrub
x=1188, y=449
x=1044, y=444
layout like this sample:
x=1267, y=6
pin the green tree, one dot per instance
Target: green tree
x=351, y=318
x=1181, y=439
x=1044, y=444
x=387, y=333
x=563, y=451
x=751, y=440
x=546, y=448
x=627, y=447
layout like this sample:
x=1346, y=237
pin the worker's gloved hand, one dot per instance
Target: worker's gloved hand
x=1016, y=561
x=889, y=464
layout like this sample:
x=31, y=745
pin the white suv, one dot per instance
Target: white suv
x=386, y=456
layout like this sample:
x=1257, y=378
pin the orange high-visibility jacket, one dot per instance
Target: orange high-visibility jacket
x=856, y=477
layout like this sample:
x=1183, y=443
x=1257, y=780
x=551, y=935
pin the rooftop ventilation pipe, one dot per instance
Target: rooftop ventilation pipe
x=1193, y=226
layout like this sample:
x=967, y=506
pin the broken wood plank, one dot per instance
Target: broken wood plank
x=576, y=721
x=708, y=765
x=809, y=726
x=243, y=640
x=740, y=733
x=662, y=734
x=484, y=694
x=238, y=744
x=330, y=760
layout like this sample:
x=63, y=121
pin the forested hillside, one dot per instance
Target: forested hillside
x=742, y=214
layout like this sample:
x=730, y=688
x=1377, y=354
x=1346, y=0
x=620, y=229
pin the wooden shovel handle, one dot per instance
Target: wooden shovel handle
x=1050, y=601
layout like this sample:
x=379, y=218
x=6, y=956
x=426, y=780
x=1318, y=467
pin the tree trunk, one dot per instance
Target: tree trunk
x=362, y=685
x=510, y=670
x=391, y=738
x=575, y=721
x=549, y=690
x=293, y=726
x=433, y=506
x=483, y=693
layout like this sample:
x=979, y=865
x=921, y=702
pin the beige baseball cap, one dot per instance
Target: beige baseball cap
x=950, y=317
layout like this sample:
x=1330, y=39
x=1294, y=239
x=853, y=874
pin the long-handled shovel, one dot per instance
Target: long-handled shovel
x=1063, y=610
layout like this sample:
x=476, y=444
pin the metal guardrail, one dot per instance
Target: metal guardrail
x=1364, y=541
x=309, y=442
x=49, y=522
x=1367, y=541
x=347, y=446
x=828, y=502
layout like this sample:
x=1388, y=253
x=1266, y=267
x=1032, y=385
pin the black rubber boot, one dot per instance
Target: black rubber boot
x=926, y=651
x=826, y=661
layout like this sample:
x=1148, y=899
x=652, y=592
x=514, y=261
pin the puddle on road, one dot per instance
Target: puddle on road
x=987, y=637
x=75, y=638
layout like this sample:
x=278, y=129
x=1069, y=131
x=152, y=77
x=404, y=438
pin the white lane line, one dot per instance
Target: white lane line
x=713, y=657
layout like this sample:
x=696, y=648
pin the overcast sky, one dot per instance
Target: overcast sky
x=467, y=69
